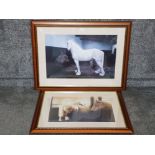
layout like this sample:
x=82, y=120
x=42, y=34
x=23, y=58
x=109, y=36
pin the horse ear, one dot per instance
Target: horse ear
x=70, y=43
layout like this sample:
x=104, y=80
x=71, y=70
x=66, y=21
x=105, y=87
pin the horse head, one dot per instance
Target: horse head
x=69, y=44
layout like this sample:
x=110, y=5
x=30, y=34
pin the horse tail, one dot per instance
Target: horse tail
x=102, y=59
x=113, y=48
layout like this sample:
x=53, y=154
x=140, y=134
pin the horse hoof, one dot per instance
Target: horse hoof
x=78, y=73
x=97, y=71
x=66, y=118
x=60, y=119
x=102, y=74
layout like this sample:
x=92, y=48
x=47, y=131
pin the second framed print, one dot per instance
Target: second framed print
x=81, y=112
x=80, y=55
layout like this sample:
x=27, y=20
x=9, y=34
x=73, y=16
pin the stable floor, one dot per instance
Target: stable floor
x=17, y=106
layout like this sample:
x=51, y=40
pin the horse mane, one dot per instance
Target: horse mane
x=75, y=44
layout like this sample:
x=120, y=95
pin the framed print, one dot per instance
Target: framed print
x=80, y=112
x=80, y=55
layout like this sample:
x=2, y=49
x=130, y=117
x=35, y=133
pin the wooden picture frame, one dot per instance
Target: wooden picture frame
x=77, y=90
x=127, y=129
x=40, y=30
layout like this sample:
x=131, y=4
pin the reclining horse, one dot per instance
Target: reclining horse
x=65, y=110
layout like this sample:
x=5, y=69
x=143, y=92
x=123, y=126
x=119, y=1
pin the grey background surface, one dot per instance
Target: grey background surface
x=17, y=107
x=17, y=104
x=16, y=54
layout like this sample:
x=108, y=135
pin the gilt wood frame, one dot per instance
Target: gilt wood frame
x=38, y=23
x=35, y=130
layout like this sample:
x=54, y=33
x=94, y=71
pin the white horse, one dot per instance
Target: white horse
x=79, y=54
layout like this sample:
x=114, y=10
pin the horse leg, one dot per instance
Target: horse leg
x=102, y=73
x=100, y=64
x=78, y=72
x=60, y=113
x=98, y=71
